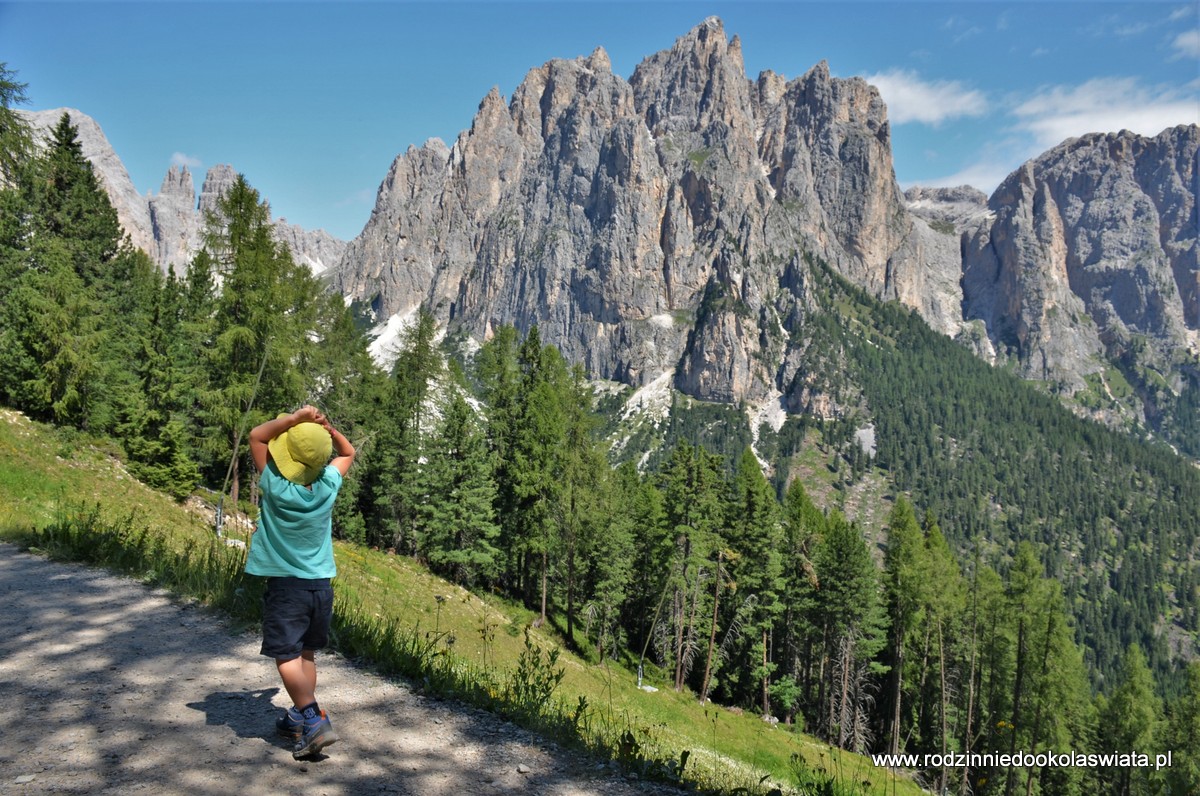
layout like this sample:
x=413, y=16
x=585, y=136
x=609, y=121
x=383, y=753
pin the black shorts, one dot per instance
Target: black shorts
x=296, y=616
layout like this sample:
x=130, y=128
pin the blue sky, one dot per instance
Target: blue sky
x=312, y=101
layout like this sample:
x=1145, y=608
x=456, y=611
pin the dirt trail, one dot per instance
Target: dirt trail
x=110, y=687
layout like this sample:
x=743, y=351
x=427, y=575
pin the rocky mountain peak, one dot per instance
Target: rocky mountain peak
x=178, y=183
x=217, y=182
x=599, y=61
x=701, y=79
x=643, y=224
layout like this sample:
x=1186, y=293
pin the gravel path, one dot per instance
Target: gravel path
x=110, y=687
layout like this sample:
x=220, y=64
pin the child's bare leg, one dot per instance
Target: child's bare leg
x=299, y=677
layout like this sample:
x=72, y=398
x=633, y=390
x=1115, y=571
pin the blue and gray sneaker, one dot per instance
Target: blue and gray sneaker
x=291, y=726
x=316, y=735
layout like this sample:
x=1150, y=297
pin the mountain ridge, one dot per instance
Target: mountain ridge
x=659, y=225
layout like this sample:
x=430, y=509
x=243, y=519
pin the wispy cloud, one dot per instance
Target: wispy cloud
x=1103, y=105
x=1187, y=44
x=911, y=99
x=363, y=196
x=180, y=160
x=960, y=29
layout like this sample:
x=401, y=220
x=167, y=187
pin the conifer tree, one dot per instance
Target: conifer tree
x=402, y=440
x=63, y=237
x=1182, y=737
x=580, y=512
x=69, y=204
x=536, y=464
x=853, y=626
x=16, y=138
x=263, y=319
x=629, y=509
x=1130, y=721
x=904, y=579
x=694, y=492
x=640, y=503
x=457, y=528
x=753, y=531
x=498, y=375
x=803, y=529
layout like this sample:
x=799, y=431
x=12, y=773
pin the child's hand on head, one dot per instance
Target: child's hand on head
x=307, y=414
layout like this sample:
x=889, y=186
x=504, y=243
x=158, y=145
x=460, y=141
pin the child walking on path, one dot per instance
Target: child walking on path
x=293, y=549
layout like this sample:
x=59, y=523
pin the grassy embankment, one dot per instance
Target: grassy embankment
x=67, y=495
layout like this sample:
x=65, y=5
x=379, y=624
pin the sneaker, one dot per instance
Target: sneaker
x=315, y=737
x=291, y=726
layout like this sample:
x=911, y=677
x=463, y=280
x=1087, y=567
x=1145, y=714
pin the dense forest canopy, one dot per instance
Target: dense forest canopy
x=1029, y=580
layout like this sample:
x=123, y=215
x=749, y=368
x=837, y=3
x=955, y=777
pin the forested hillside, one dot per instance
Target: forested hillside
x=1032, y=572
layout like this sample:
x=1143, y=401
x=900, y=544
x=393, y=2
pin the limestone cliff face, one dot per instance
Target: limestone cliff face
x=169, y=226
x=1091, y=258
x=650, y=225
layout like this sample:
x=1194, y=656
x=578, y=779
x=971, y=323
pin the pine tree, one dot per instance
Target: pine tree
x=1182, y=737
x=627, y=509
x=694, y=492
x=498, y=374
x=580, y=512
x=69, y=204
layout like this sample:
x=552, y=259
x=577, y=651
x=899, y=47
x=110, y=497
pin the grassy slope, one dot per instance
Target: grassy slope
x=45, y=472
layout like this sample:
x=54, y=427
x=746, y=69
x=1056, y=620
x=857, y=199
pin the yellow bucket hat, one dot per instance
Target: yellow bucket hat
x=301, y=452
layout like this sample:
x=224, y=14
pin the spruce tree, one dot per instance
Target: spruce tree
x=456, y=520
x=403, y=439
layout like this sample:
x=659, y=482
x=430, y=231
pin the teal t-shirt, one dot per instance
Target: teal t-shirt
x=295, y=526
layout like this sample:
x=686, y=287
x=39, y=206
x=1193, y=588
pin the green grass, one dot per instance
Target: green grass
x=68, y=496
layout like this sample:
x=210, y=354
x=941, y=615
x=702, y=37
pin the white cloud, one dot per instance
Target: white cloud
x=1187, y=44
x=911, y=99
x=180, y=160
x=1104, y=105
